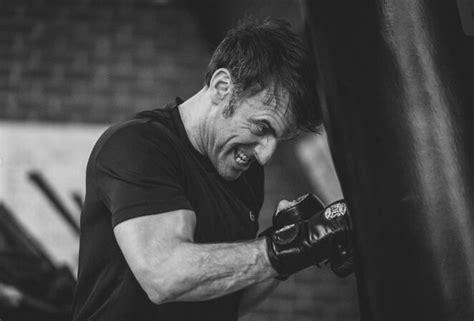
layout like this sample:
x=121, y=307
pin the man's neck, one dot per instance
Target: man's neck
x=194, y=114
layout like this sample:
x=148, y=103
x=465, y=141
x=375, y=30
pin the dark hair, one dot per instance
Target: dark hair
x=269, y=55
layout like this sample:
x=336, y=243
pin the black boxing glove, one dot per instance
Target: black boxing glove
x=342, y=263
x=301, y=209
x=342, y=253
x=295, y=244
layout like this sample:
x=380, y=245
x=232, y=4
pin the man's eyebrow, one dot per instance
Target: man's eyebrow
x=284, y=136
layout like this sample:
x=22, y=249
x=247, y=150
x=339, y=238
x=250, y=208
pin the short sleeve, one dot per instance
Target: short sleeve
x=137, y=173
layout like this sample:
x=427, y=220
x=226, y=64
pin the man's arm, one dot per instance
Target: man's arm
x=169, y=267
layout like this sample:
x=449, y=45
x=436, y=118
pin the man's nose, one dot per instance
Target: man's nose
x=265, y=148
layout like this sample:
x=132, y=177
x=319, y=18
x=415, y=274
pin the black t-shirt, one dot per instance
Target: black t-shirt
x=145, y=166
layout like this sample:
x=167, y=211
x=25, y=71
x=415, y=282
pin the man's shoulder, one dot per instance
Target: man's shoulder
x=141, y=130
x=149, y=123
x=159, y=120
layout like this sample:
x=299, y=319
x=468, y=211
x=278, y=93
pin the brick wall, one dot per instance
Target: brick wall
x=98, y=61
x=95, y=60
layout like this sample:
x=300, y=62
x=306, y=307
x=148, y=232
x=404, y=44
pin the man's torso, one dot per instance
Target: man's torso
x=225, y=212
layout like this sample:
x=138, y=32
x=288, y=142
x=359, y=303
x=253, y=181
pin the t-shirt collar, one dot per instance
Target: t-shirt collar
x=184, y=136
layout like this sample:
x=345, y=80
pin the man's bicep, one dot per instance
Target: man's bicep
x=147, y=241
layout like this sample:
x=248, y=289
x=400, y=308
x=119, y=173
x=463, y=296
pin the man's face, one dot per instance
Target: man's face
x=250, y=133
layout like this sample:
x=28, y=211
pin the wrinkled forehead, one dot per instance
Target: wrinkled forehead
x=278, y=99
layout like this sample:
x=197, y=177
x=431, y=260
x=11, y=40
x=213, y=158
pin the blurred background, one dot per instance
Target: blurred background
x=70, y=69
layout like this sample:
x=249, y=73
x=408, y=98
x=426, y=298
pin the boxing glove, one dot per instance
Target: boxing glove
x=342, y=253
x=305, y=234
x=342, y=263
x=301, y=209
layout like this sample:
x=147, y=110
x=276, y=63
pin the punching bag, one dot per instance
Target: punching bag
x=396, y=84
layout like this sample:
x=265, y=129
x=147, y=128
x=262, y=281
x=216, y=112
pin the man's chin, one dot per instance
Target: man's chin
x=229, y=174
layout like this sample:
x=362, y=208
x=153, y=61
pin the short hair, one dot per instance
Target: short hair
x=267, y=54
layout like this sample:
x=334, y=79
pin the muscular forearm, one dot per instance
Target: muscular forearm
x=196, y=272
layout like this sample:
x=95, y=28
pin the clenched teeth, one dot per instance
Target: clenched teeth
x=241, y=158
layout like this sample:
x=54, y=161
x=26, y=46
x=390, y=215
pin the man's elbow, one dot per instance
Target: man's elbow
x=157, y=296
x=158, y=287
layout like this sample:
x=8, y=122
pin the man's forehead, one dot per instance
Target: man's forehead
x=275, y=97
x=277, y=101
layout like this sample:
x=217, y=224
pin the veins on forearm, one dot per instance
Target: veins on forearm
x=197, y=272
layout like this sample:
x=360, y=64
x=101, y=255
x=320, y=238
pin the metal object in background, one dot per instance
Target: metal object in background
x=14, y=236
x=31, y=286
x=78, y=200
x=396, y=83
x=40, y=181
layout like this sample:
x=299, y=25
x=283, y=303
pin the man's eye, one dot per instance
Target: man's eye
x=260, y=129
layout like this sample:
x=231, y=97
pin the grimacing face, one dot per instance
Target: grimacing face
x=250, y=133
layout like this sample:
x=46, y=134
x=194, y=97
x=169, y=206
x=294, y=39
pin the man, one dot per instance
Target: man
x=173, y=195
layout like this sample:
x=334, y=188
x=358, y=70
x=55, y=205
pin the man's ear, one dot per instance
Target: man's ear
x=220, y=85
